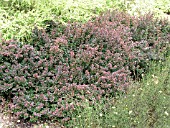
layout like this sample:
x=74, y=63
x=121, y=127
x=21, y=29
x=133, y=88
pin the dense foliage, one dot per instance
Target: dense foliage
x=65, y=65
x=146, y=104
x=33, y=12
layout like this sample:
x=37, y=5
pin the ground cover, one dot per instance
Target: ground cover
x=76, y=49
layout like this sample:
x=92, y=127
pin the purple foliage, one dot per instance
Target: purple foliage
x=49, y=78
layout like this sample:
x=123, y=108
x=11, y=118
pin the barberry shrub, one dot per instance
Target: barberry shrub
x=47, y=78
x=134, y=40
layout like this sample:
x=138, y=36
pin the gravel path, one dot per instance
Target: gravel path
x=6, y=122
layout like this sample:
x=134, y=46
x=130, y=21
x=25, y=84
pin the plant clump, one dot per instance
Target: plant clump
x=62, y=67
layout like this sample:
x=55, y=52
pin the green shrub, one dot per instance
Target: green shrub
x=160, y=8
x=20, y=17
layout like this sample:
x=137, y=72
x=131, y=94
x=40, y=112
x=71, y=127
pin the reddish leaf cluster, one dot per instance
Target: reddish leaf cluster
x=46, y=79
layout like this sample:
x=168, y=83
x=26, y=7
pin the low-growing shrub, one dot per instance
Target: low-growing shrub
x=63, y=66
x=134, y=40
x=48, y=83
x=33, y=12
x=25, y=5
